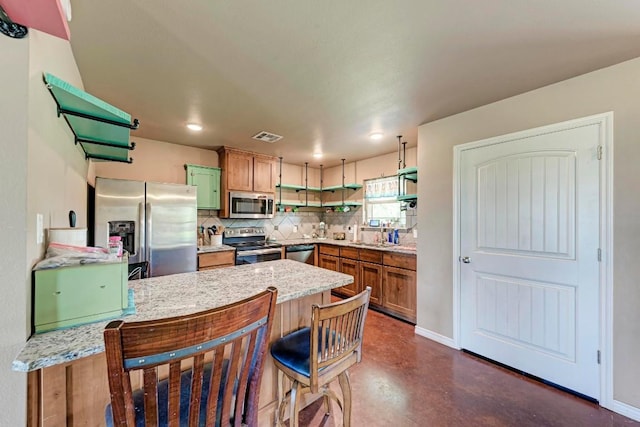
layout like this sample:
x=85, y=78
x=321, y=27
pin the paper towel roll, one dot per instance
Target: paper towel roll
x=68, y=236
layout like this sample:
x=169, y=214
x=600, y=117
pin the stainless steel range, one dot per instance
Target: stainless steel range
x=251, y=245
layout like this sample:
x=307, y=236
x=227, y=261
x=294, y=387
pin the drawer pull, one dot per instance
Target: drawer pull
x=57, y=292
x=103, y=286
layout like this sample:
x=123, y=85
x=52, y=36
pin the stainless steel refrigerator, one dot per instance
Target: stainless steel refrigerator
x=156, y=222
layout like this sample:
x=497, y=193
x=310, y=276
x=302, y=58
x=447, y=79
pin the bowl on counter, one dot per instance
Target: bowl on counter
x=338, y=236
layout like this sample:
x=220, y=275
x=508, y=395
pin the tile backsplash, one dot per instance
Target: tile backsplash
x=295, y=225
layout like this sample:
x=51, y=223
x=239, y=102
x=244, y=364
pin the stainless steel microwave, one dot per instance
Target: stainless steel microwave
x=250, y=205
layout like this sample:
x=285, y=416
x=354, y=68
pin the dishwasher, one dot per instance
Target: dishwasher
x=302, y=253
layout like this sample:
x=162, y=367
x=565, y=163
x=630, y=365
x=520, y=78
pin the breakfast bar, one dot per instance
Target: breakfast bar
x=67, y=375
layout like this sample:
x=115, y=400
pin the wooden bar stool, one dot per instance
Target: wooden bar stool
x=313, y=357
x=214, y=359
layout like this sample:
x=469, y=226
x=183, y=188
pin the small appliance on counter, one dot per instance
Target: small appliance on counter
x=322, y=232
x=68, y=236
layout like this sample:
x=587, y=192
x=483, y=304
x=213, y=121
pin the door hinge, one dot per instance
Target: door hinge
x=598, y=357
x=599, y=152
x=599, y=255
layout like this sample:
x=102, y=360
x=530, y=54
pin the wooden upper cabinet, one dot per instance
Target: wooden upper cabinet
x=264, y=174
x=239, y=171
x=245, y=171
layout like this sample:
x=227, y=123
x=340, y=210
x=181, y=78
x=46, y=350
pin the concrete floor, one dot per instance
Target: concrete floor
x=406, y=380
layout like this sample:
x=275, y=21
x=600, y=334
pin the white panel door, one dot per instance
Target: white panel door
x=529, y=225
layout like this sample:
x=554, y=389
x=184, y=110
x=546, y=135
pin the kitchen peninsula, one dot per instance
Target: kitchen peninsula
x=67, y=377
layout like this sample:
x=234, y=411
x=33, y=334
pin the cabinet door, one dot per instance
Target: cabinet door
x=70, y=296
x=329, y=262
x=399, y=292
x=239, y=171
x=351, y=267
x=207, y=261
x=264, y=174
x=371, y=275
x=208, y=182
x=329, y=250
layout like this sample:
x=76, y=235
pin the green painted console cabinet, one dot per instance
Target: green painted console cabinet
x=74, y=295
x=207, y=179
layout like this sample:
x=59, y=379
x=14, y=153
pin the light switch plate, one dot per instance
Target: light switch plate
x=39, y=228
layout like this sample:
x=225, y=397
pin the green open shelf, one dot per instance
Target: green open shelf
x=297, y=187
x=410, y=174
x=343, y=187
x=100, y=128
x=291, y=187
x=346, y=203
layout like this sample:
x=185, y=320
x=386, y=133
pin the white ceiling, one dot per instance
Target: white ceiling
x=327, y=73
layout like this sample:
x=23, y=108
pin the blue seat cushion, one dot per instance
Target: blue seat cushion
x=185, y=394
x=293, y=351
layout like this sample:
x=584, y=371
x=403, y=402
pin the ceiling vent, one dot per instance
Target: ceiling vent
x=267, y=137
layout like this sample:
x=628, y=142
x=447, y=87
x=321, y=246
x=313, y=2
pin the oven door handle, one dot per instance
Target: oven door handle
x=240, y=254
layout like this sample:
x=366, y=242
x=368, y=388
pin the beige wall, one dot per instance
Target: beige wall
x=611, y=89
x=354, y=172
x=374, y=167
x=57, y=169
x=155, y=161
x=42, y=172
x=13, y=222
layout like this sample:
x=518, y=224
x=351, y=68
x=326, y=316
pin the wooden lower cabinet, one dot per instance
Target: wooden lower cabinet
x=352, y=268
x=329, y=262
x=391, y=276
x=399, y=292
x=211, y=260
x=371, y=275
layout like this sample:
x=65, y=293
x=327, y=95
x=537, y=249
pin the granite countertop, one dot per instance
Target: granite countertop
x=405, y=249
x=181, y=294
x=219, y=248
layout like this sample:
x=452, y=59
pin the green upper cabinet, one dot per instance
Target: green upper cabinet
x=207, y=179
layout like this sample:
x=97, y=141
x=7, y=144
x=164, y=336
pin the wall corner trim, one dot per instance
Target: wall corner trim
x=434, y=336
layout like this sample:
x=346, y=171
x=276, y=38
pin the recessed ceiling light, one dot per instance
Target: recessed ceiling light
x=376, y=136
x=317, y=155
x=194, y=126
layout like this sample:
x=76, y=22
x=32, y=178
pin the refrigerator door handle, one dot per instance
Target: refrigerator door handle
x=142, y=242
x=148, y=235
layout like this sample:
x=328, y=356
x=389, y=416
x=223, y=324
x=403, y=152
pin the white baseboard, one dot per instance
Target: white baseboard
x=626, y=410
x=435, y=337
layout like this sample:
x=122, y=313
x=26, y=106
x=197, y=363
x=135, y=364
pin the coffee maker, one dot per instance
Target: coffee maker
x=322, y=234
